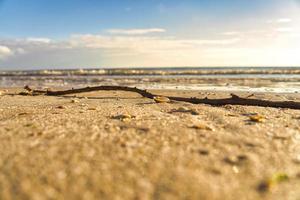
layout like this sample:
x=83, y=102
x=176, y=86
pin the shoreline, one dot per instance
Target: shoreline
x=237, y=84
x=164, y=71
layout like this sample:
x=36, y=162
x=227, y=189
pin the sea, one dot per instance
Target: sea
x=246, y=79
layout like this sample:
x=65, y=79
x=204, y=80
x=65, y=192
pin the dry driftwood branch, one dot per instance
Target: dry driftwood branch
x=233, y=100
x=143, y=93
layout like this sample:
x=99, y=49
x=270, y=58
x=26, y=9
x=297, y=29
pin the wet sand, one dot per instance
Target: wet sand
x=117, y=145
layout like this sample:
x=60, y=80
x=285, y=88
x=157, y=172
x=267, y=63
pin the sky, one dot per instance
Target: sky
x=44, y=34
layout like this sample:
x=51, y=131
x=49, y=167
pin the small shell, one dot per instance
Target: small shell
x=161, y=99
x=74, y=101
x=123, y=117
x=257, y=118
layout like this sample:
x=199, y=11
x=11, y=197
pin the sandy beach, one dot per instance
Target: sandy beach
x=117, y=145
x=149, y=100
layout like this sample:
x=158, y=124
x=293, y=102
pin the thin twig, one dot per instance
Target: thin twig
x=233, y=100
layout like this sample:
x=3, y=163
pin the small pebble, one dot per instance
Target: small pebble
x=123, y=117
x=203, y=152
x=263, y=186
x=257, y=118
x=235, y=169
x=183, y=109
x=74, y=101
x=160, y=99
x=235, y=160
x=201, y=126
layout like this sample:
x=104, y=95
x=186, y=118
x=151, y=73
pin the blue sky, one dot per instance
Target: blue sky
x=115, y=33
x=59, y=18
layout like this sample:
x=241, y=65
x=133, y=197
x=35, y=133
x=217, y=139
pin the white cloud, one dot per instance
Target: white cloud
x=284, y=20
x=142, y=43
x=231, y=33
x=285, y=29
x=39, y=40
x=20, y=51
x=136, y=31
x=280, y=21
x=110, y=50
x=5, y=52
x=231, y=48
